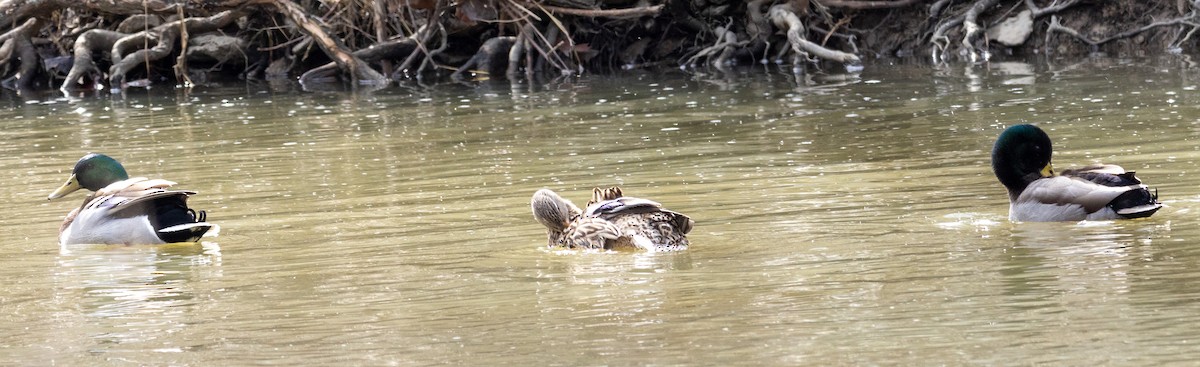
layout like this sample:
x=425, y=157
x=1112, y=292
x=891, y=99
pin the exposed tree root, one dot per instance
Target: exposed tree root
x=1056, y=26
x=520, y=51
x=1053, y=8
x=491, y=57
x=89, y=42
x=784, y=17
x=359, y=71
x=164, y=37
x=19, y=41
x=941, y=43
x=971, y=26
x=610, y=13
x=390, y=50
x=719, y=53
x=858, y=4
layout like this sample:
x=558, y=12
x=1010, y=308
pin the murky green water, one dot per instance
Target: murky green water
x=841, y=220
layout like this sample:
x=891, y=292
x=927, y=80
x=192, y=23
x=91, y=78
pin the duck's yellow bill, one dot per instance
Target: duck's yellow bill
x=67, y=188
x=1048, y=171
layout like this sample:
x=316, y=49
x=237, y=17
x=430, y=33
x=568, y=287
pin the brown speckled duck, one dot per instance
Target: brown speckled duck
x=611, y=221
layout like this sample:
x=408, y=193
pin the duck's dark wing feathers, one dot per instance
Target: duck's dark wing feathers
x=1137, y=202
x=1104, y=174
x=622, y=205
x=128, y=202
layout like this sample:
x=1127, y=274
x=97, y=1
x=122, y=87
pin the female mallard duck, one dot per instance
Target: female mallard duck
x=1021, y=160
x=611, y=221
x=125, y=210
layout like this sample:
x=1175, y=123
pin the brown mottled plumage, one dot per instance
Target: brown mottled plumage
x=611, y=221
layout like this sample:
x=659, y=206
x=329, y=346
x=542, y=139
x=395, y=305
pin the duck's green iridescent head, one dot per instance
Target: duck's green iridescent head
x=1021, y=155
x=93, y=172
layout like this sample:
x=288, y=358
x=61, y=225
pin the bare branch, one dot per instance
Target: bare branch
x=1053, y=8
x=358, y=70
x=864, y=4
x=607, y=13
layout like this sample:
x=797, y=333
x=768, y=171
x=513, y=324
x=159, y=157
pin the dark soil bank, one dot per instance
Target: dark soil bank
x=82, y=44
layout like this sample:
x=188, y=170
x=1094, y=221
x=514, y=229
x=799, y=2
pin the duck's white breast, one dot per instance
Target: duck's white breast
x=94, y=227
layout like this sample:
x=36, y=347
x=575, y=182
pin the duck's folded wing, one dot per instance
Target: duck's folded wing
x=1111, y=169
x=128, y=202
x=622, y=205
x=133, y=186
x=125, y=194
x=1063, y=190
x=1104, y=174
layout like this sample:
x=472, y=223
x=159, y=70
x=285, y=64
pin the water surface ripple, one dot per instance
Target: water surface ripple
x=841, y=220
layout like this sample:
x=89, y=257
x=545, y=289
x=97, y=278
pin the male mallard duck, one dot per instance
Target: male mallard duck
x=125, y=210
x=611, y=221
x=1021, y=160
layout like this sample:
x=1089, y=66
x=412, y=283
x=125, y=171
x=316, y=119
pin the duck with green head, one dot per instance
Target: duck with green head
x=123, y=210
x=611, y=221
x=1021, y=160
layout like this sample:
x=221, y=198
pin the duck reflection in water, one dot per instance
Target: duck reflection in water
x=135, y=297
x=611, y=221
